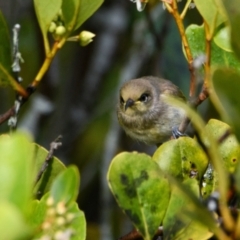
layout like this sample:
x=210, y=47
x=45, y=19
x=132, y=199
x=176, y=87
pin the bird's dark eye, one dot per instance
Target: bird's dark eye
x=144, y=97
x=121, y=100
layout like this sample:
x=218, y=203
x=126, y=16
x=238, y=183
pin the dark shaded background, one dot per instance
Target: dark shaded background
x=78, y=95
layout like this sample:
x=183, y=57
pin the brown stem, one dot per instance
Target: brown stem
x=5, y=116
x=28, y=92
x=46, y=64
x=181, y=29
x=203, y=95
x=208, y=58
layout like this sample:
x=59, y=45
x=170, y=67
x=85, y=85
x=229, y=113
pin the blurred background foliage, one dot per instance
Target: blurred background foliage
x=77, y=97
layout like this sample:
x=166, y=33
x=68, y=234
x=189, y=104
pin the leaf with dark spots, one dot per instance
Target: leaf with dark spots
x=135, y=218
x=130, y=191
x=124, y=179
x=142, y=190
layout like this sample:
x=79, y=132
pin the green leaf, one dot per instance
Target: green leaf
x=229, y=149
x=176, y=224
x=182, y=158
x=5, y=49
x=237, y=178
x=12, y=222
x=226, y=83
x=208, y=141
x=219, y=57
x=229, y=152
x=54, y=168
x=79, y=222
x=141, y=190
x=222, y=39
x=70, y=10
x=46, y=11
x=87, y=8
x=211, y=13
x=16, y=170
x=38, y=211
x=233, y=13
x=66, y=185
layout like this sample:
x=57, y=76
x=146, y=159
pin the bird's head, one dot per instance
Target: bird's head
x=136, y=97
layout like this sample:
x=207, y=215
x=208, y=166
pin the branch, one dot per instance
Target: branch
x=5, y=116
x=47, y=62
x=179, y=21
x=31, y=88
x=53, y=146
x=206, y=60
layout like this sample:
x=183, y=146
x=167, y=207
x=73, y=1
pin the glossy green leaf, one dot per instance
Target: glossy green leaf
x=16, y=170
x=87, y=8
x=46, y=11
x=12, y=222
x=141, y=190
x=226, y=83
x=233, y=13
x=210, y=13
x=229, y=149
x=38, y=212
x=55, y=167
x=70, y=10
x=182, y=158
x=66, y=185
x=222, y=39
x=5, y=49
x=78, y=223
x=219, y=57
x=237, y=178
x=209, y=142
x=176, y=224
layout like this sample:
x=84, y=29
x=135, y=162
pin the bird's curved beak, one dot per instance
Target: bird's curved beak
x=128, y=103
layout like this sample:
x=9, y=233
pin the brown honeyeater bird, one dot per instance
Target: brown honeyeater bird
x=143, y=113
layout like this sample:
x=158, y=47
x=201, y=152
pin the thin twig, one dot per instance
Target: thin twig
x=186, y=7
x=203, y=95
x=5, y=116
x=31, y=88
x=189, y=56
x=53, y=146
x=16, y=68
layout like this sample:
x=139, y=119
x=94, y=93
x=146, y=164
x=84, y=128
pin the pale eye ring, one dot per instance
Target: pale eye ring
x=144, y=97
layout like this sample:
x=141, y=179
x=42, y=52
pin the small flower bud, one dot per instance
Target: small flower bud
x=85, y=37
x=50, y=201
x=52, y=27
x=51, y=212
x=61, y=208
x=45, y=237
x=60, y=221
x=46, y=225
x=60, y=30
x=70, y=217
